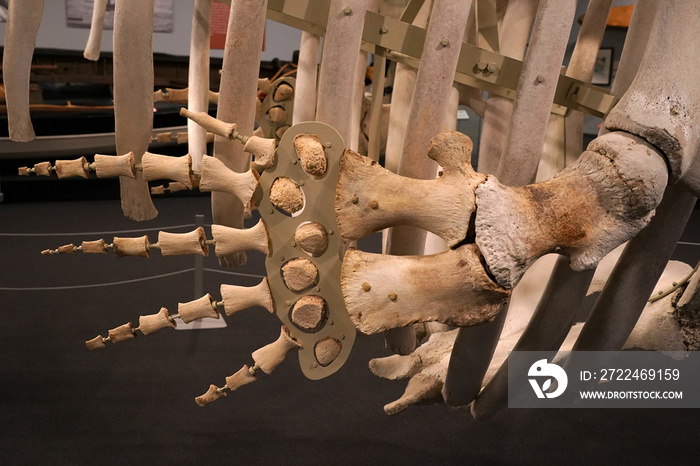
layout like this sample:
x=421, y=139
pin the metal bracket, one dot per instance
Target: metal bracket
x=319, y=207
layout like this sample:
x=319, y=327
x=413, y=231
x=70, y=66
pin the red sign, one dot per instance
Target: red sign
x=219, y=25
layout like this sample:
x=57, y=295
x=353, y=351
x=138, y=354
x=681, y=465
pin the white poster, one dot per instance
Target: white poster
x=79, y=14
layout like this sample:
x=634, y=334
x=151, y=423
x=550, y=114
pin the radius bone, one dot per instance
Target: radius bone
x=370, y=198
x=383, y=292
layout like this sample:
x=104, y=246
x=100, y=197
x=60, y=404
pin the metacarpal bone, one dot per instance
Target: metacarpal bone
x=370, y=198
x=270, y=356
x=217, y=177
x=383, y=292
x=237, y=298
x=231, y=240
x=585, y=212
x=163, y=167
x=70, y=168
x=197, y=309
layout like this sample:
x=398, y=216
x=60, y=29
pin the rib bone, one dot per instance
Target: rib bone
x=24, y=18
x=383, y=292
x=589, y=209
x=94, y=43
x=370, y=198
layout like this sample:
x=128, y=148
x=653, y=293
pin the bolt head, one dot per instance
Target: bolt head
x=491, y=68
x=347, y=10
x=374, y=205
x=540, y=78
x=481, y=65
x=383, y=30
x=392, y=296
x=445, y=42
x=328, y=145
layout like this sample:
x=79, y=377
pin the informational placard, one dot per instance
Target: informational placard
x=79, y=14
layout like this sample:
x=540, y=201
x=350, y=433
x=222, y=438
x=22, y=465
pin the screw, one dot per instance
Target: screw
x=330, y=232
x=366, y=287
x=314, y=365
x=328, y=145
x=675, y=110
x=347, y=10
x=282, y=258
x=481, y=65
x=383, y=30
x=272, y=211
x=445, y=42
x=331, y=322
x=342, y=337
x=318, y=288
x=392, y=296
x=294, y=245
x=540, y=78
x=492, y=67
x=374, y=205
x=287, y=303
x=354, y=200
x=294, y=162
x=301, y=183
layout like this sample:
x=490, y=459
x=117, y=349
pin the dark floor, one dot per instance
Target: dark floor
x=133, y=403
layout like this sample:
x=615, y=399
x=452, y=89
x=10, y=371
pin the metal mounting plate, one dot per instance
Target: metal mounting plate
x=319, y=207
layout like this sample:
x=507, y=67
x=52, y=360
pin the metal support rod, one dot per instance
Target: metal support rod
x=198, y=263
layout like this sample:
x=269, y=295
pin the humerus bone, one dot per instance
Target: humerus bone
x=216, y=177
x=237, y=298
x=154, y=322
x=108, y=166
x=70, y=168
x=312, y=154
x=286, y=195
x=197, y=309
x=23, y=20
x=370, y=198
x=270, y=356
x=178, y=244
x=589, y=209
x=231, y=240
x=384, y=292
x=94, y=43
x=162, y=167
x=131, y=246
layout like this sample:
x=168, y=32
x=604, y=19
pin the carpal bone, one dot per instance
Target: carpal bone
x=131, y=246
x=270, y=356
x=94, y=43
x=312, y=238
x=586, y=211
x=370, y=198
x=384, y=292
x=327, y=350
x=237, y=298
x=179, y=244
x=283, y=92
x=285, y=194
x=312, y=154
x=197, y=309
x=109, y=166
x=216, y=177
x=277, y=114
x=72, y=168
x=299, y=274
x=231, y=240
x=163, y=167
x=309, y=313
x=23, y=20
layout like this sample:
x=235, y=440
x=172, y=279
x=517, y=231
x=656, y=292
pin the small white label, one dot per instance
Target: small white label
x=462, y=114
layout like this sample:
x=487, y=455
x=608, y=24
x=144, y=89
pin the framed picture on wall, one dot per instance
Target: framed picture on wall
x=602, y=71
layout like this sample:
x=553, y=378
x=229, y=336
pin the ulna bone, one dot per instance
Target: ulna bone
x=23, y=20
x=383, y=292
x=586, y=211
x=236, y=298
x=370, y=198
